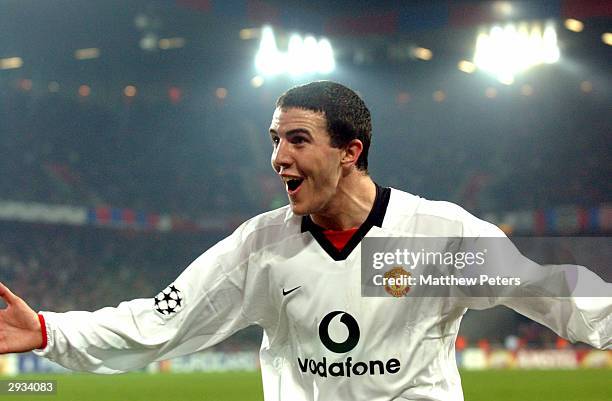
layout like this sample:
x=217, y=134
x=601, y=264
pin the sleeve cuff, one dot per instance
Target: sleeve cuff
x=43, y=329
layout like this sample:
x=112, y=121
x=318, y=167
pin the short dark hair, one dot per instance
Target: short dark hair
x=347, y=116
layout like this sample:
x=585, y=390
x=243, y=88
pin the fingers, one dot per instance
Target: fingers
x=6, y=294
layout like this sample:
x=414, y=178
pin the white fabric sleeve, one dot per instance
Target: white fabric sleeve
x=218, y=294
x=575, y=316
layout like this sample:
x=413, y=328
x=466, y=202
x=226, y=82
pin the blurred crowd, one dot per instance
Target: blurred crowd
x=199, y=157
x=64, y=268
x=523, y=334
x=63, y=150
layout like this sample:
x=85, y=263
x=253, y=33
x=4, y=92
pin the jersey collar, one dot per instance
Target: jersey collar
x=375, y=218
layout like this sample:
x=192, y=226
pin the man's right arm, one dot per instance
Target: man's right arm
x=205, y=305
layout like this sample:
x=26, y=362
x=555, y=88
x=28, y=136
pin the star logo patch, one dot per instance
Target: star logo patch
x=169, y=302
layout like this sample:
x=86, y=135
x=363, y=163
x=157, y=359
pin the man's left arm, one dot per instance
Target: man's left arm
x=571, y=300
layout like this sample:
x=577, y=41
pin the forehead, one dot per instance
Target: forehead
x=285, y=119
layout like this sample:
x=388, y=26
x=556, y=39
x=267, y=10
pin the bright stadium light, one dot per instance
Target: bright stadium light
x=310, y=54
x=551, y=53
x=295, y=64
x=249, y=33
x=573, y=25
x=10, y=63
x=466, y=66
x=422, y=53
x=130, y=91
x=506, y=51
x=303, y=56
x=326, y=60
x=87, y=54
x=171, y=43
x=257, y=81
x=268, y=60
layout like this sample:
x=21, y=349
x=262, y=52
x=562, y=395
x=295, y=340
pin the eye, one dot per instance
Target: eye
x=275, y=140
x=298, y=140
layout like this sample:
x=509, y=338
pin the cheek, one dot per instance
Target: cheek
x=272, y=158
x=333, y=168
x=329, y=173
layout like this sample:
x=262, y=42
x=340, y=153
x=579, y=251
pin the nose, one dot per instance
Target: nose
x=281, y=157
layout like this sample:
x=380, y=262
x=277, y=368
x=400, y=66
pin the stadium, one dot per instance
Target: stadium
x=134, y=136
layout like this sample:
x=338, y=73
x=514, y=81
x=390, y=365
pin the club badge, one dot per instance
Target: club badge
x=400, y=288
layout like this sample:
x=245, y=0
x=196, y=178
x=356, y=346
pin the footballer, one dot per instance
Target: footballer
x=295, y=272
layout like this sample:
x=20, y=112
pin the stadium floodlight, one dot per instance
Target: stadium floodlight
x=87, y=54
x=268, y=61
x=573, y=25
x=295, y=57
x=422, y=53
x=257, y=81
x=310, y=54
x=304, y=55
x=171, y=43
x=466, y=66
x=148, y=42
x=327, y=62
x=551, y=53
x=249, y=33
x=10, y=63
x=507, y=51
x=130, y=91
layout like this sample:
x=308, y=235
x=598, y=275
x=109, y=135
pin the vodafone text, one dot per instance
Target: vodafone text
x=346, y=368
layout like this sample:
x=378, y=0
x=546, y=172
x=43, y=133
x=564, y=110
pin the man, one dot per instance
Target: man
x=295, y=272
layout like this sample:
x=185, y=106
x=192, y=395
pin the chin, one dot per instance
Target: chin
x=297, y=210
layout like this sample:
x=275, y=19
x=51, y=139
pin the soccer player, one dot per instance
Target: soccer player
x=295, y=272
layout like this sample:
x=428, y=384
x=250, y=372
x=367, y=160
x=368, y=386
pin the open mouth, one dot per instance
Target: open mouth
x=294, y=184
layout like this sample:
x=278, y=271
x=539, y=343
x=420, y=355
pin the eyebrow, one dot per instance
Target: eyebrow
x=293, y=132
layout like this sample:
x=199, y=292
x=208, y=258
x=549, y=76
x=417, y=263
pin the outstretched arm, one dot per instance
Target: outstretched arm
x=20, y=329
x=569, y=299
x=213, y=298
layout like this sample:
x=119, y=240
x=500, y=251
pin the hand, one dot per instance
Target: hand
x=20, y=329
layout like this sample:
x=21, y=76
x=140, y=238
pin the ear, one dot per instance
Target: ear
x=352, y=151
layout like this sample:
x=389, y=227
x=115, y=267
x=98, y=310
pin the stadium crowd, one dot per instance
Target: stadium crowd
x=157, y=156
x=61, y=268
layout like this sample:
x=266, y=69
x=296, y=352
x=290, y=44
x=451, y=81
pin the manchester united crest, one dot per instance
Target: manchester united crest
x=400, y=287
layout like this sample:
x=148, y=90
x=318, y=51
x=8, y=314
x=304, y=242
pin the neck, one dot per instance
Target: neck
x=351, y=204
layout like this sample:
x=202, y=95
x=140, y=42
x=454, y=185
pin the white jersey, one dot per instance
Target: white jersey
x=322, y=339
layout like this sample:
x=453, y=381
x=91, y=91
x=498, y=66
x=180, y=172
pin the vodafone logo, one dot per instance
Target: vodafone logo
x=351, y=325
x=348, y=367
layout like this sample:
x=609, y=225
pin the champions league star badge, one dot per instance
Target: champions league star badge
x=400, y=288
x=169, y=302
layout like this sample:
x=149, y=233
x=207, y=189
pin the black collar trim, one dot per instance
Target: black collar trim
x=375, y=218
